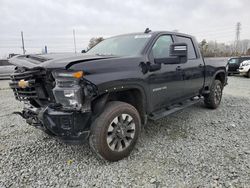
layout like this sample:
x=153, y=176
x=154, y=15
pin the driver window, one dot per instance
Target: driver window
x=162, y=46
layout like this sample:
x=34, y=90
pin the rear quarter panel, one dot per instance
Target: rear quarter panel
x=212, y=67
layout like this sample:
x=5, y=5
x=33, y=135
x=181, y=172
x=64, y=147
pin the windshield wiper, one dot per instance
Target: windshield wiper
x=104, y=54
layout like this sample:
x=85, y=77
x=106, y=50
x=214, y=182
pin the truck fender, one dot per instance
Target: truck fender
x=216, y=74
x=99, y=103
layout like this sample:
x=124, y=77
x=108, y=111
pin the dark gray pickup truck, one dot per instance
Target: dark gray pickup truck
x=108, y=93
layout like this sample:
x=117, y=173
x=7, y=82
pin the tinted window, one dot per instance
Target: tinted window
x=245, y=58
x=161, y=47
x=188, y=41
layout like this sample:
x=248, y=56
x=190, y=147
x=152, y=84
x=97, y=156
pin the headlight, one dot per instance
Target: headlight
x=67, y=90
x=74, y=74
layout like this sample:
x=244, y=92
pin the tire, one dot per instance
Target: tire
x=115, y=132
x=213, y=99
x=248, y=74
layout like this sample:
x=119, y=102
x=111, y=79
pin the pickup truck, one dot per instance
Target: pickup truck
x=105, y=95
x=6, y=69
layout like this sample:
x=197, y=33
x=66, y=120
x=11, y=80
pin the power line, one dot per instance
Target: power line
x=237, y=36
x=74, y=39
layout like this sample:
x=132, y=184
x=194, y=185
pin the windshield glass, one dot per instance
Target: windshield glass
x=127, y=45
x=233, y=61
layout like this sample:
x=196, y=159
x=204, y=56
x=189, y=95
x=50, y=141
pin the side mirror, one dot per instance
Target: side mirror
x=178, y=54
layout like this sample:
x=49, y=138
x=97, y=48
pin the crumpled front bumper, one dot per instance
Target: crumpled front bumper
x=70, y=126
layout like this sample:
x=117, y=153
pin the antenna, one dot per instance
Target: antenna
x=147, y=30
x=74, y=39
x=23, y=43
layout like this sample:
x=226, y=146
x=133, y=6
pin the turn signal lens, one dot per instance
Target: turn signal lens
x=78, y=74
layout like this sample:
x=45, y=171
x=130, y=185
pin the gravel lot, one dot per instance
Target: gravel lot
x=196, y=147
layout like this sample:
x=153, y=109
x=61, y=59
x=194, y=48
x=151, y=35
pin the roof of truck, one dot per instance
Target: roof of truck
x=156, y=33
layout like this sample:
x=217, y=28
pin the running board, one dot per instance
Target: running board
x=167, y=111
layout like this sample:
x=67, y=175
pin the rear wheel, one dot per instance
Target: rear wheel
x=213, y=99
x=248, y=74
x=115, y=132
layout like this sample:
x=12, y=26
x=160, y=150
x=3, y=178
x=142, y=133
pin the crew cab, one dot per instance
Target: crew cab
x=105, y=95
x=6, y=69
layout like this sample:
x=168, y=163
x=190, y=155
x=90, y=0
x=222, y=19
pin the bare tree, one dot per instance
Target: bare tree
x=245, y=44
x=248, y=51
x=94, y=41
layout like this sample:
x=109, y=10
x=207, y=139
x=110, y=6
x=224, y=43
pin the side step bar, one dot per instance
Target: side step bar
x=167, y=111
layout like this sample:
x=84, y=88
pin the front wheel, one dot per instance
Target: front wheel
x=115, y=132
x=213, y=99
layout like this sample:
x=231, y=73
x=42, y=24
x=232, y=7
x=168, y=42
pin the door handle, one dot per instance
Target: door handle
x=178, y=68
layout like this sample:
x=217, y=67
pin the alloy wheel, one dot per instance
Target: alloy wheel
x=121, y=132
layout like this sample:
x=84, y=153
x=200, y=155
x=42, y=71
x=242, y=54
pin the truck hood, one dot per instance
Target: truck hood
x=64, y=60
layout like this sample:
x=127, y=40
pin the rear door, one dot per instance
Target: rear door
x=193, y=69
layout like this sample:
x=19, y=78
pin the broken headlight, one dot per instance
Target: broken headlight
x=67, y=91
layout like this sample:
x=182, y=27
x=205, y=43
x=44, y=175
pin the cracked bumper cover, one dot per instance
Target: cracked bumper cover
x=67, y=125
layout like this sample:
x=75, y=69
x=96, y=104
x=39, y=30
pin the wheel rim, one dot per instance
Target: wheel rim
x=121, y=132
x=217, y=94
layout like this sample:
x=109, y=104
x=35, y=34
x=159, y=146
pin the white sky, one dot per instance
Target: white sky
x=51, y=23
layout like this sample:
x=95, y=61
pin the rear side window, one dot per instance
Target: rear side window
x=188, y=41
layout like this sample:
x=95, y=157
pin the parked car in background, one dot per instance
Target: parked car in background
x=234, y=64
x=245, y=68
x=6, y=69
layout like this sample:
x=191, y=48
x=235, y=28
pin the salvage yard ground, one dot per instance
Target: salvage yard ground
x=195, y=147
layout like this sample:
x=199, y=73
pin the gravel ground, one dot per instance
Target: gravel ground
x=195, y=147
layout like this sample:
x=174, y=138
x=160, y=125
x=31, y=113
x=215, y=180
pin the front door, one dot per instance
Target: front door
x=165, y=84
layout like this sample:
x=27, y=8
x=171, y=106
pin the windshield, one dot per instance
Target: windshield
x=127, y=45
x=233, y=61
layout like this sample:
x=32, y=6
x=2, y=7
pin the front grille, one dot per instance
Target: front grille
x=33, y=90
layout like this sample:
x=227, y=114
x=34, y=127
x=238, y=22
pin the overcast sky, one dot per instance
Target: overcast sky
x=51, y=23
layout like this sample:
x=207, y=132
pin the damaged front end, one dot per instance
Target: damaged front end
x=57, y=101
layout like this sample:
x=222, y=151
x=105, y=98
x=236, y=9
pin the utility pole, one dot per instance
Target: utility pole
x=237, y=37
x=74, y=39
x=23, y=43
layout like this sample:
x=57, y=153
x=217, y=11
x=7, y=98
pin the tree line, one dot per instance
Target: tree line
x=215, y=49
